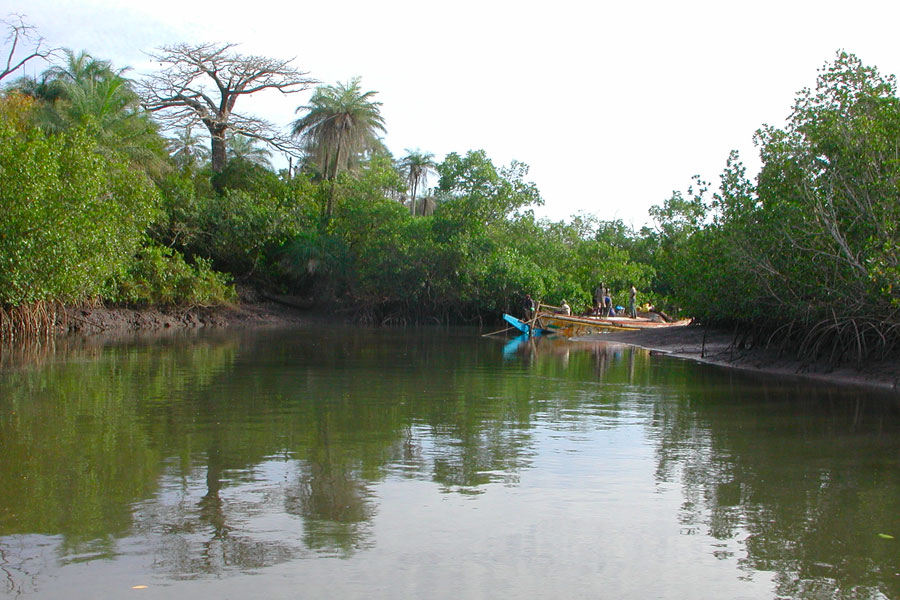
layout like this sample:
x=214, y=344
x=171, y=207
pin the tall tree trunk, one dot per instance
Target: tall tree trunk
x=329, y=203
x=217, y=137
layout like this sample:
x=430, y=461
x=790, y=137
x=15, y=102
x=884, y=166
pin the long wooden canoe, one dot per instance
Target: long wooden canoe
x=571, y=325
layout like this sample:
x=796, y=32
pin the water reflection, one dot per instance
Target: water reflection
x=808, y=475
x=232, y=453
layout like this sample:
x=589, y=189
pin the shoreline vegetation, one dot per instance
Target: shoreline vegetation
x=157, y=191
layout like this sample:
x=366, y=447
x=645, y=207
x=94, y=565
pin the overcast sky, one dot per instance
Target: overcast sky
x=612, y=105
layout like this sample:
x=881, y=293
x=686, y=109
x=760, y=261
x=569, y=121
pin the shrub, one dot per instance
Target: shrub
x=161, y=276
x=72, y=218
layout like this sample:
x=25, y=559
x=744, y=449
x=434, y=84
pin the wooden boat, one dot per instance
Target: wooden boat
x=549, y=321
x=573, y=326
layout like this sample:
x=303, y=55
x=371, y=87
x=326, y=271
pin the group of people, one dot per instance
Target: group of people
x=603, y=302
x=603, y=305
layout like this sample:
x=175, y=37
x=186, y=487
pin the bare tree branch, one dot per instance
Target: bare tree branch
x=201, y=84
x=19, y=32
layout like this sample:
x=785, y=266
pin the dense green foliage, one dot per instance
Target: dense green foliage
x=75, y=217
x=158, y=275
x=807, y=252
x=808, y=255
x=89, y=94
x=72, y=218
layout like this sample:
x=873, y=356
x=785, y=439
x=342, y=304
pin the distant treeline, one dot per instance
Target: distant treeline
x=98, y=205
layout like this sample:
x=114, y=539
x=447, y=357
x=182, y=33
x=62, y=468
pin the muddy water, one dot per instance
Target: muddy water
x=435, y=463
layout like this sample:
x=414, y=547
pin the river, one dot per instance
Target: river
x=390, y=463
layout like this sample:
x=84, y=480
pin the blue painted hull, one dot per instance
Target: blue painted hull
x=523, y=326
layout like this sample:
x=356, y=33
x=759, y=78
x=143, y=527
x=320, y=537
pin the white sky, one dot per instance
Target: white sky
x=612, y=105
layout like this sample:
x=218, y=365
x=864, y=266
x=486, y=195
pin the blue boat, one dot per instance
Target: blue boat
x=525, y=327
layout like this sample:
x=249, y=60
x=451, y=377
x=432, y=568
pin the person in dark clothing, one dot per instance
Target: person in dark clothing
x=528, y=307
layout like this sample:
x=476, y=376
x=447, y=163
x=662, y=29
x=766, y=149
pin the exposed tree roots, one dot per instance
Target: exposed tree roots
x=836, y=340
x=31, y=322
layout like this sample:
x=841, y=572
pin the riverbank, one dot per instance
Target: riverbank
x=694, y=342
x=684, y=341
x=252, y=310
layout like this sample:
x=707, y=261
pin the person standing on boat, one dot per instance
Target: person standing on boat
x=529, y=307
x=565, y=308
x=632, y=310
x=607, y=305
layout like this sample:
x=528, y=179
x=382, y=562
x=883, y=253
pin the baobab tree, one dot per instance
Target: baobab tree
x=202, y=83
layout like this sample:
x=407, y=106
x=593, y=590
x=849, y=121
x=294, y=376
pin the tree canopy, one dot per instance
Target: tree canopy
x=341, y=122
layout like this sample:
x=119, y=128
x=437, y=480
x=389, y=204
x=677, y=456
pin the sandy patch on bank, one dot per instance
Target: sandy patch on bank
x=717, y=347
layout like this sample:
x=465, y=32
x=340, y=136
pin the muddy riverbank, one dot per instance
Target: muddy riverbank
x=718, y=347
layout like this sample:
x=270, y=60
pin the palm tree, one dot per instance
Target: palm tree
x=82, y=67
x=417, y=165
x=341, y=123
x=242, y=147
x=52, y=83
x=39, y=88
x=89, y=93
x=187, y=149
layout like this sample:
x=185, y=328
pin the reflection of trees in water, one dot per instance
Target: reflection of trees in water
x=334, y=503
x=219, y=519
x=203, y=525
x=806, y=477
x=78, y=444
x=74, y=455
x=20, y=566
x=213, y=416
x=329, y=489
x=480, y=456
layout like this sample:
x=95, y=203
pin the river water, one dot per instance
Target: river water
x=353, y=463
